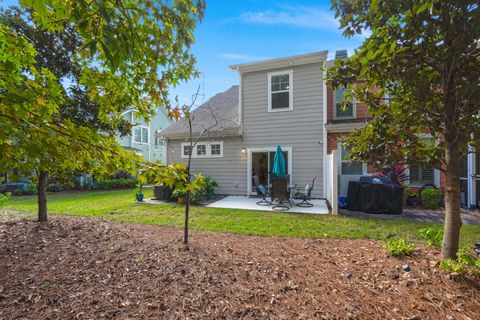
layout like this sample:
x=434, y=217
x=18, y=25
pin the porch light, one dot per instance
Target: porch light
x=244, y=150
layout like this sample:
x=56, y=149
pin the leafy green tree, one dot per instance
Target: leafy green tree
x=130, y=52
x=419, y=70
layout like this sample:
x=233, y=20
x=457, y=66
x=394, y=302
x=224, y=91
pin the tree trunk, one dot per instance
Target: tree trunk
x=187, y=212
x=453, y=220
x=42, y=196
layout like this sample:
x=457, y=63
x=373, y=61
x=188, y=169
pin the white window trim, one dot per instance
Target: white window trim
x=340, y=161
x=208, y=150
x=354, y=108
x=290, y=90
x=141, y=127
x=287, y=149
x=436, y=179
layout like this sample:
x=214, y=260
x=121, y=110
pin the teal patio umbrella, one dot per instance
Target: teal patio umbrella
x=278, y=169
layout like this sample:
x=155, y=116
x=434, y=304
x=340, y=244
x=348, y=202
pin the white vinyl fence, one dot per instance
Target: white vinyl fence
x=332, y=180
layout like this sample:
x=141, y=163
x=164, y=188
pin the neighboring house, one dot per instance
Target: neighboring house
x=144, y=140
x=278, y=102
x=341, y=121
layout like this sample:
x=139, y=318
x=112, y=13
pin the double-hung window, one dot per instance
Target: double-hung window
x=343, y=110
x=212, y=149
x=141, y=134
x=280, y=97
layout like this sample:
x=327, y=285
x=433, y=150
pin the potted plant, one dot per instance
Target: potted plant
x=180, y=194
x=139, y=194
x=210, y=185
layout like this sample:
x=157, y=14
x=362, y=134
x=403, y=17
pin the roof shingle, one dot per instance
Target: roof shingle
x=216, y=117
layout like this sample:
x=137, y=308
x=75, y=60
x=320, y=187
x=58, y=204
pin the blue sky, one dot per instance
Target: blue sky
x=247, y=30
x=242, y=31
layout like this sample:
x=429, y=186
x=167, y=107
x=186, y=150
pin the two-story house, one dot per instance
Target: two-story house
x=286, y=102
x=277, y=102
x=144, y=140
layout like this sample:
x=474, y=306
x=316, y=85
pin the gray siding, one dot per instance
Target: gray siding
x=230, y=172
x=300, y=128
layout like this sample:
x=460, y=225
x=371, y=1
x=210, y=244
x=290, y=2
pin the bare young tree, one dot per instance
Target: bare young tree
x=193, y=140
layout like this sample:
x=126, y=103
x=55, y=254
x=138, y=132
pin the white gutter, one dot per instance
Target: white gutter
x=240, y=103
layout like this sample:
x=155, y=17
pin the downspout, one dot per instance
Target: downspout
x=240, y=103
x=131, y=133
x=324, y=137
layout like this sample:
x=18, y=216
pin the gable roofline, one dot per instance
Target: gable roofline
x=314, y=57
x=157, y=108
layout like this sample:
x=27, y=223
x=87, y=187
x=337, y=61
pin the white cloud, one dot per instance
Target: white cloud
x=297, y=16
x=239, y=57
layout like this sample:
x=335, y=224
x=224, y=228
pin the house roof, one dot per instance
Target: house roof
x=296, y=60
x=218, y=117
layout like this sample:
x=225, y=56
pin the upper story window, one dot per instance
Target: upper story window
x=280, y=97
x=342, y=110
x=212, y=149
x=141, y=134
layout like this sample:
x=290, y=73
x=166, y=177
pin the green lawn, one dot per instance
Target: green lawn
x=119, y=206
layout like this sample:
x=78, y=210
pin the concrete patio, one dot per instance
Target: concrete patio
x=243, y=202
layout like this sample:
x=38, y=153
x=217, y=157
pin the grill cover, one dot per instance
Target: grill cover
x=382, y=198
x=375, y=198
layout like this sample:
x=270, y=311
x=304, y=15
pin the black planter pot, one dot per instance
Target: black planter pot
x=412, y=202
x=163, y=192
x=159, y=192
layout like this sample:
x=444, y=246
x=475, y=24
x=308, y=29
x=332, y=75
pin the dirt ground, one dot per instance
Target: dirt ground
x=79, y=268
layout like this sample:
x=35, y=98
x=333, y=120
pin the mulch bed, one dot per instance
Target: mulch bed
x=80, y=268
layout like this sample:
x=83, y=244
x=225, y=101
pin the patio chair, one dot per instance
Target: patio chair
x=305, y=195
x=280, y=194
x=262, y=191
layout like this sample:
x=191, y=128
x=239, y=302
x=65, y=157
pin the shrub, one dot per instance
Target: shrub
x=466, y=263
x=179, y=193
x=433, y=236
x=4, y=197
x=30, y=189
x=431, y=198
x=55, y=187
x=399, y=247
x=210, y=186
x=117, y=183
